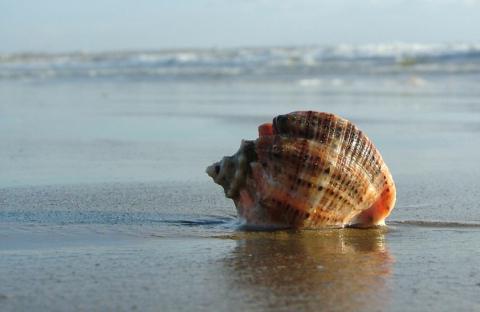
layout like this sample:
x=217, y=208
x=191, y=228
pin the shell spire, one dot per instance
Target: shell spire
x=308, y=169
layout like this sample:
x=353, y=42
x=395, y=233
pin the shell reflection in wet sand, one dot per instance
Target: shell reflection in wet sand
x=328, y=270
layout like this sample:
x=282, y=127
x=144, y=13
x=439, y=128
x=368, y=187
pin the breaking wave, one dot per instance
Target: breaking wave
x=262, y=63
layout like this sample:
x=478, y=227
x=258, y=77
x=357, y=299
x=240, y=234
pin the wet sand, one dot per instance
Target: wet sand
x=104, y=203
x=81, y=254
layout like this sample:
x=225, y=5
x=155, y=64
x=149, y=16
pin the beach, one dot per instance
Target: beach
x=105, y=204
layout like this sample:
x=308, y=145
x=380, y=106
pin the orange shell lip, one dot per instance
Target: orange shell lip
x=265, y=129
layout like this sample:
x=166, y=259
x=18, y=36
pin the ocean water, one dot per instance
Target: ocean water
x=104, y=202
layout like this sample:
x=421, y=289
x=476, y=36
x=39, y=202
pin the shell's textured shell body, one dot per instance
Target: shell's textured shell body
x=308, y=169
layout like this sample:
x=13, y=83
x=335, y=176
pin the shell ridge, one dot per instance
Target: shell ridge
x=301, y=164
x=324, y=201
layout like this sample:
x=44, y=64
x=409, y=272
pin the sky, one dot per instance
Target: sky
x=101, y=25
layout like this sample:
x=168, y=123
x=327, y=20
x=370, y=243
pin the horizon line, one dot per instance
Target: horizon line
x=227, y=48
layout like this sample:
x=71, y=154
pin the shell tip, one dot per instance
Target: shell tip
x=212, y=170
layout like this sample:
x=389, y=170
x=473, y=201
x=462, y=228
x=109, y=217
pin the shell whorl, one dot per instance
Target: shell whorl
x=315, y=169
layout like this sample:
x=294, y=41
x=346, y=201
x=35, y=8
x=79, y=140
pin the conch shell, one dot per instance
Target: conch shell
x=308, y=170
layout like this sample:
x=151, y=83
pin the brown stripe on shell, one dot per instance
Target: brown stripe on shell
x=281, y=160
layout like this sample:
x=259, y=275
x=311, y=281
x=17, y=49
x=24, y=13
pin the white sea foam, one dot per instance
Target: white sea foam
x=265, y=63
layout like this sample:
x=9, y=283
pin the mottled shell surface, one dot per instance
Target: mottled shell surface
x=308, y=169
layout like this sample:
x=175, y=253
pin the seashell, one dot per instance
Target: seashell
x=308, y=169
